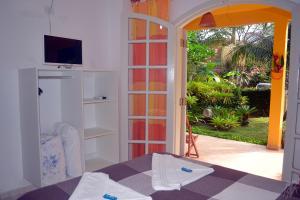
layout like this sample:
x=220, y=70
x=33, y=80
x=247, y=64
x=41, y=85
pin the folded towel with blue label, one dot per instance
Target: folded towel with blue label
x=98, y=186
x=170, y=173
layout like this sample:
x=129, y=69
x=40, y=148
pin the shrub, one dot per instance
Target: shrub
x=196, y=118
x=243, y=113
x=222, y=112
x=245, y=110
x=260, y=99
x=224, y=118
x=191, y=100
x=214, y=93
x=224, y=123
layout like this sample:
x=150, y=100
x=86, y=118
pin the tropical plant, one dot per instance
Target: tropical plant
x=250, y=47
x=221, y=111
x=196, y=118
x=220, y=98
x=238, y=78
x=213, y=93
x=255, y=50
x=258, y=50
x=233, y=35
x=243, y=112
x=243, y=100
x=224, y=123
x=191, y=100
x=199, y=59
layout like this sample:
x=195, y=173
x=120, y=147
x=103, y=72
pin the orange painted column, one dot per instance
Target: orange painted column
x=277, y=105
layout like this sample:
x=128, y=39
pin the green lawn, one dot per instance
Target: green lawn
x=256, y=132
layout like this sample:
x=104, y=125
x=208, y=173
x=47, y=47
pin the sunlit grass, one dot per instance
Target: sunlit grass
x=256, y=132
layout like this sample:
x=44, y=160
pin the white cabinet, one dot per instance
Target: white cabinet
x=78, y=98
x=100, y=110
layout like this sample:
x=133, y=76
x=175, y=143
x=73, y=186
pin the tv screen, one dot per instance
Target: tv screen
x=62, y=50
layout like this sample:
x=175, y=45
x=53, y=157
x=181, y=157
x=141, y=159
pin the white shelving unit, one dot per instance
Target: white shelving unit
x=70, y=96
x=100, y=107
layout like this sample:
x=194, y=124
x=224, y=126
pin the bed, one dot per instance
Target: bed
x=222, y=184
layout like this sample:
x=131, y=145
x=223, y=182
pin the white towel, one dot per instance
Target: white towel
x=93, y=186
x=71, y=142
x=167, y=173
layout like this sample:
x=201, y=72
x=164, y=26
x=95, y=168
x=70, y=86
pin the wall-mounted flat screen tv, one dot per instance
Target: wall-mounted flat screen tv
x=60, y=50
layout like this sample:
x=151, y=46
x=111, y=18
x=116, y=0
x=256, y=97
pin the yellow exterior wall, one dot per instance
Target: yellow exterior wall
x=237, y=16
x=255, y=14
x=277, y=107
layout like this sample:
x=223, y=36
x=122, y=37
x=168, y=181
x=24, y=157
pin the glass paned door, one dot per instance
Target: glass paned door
x=149, y=78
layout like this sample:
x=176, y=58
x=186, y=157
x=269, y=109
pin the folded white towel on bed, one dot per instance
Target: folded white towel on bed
x=94, y=186
x=170, y=173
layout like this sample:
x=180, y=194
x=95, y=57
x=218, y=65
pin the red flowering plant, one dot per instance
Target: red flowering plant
x=278, y=63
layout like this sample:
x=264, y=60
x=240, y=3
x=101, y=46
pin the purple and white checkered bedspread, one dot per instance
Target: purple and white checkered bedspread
x=223, y=184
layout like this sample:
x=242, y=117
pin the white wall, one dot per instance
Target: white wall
x=115, y=32
x=22, y=26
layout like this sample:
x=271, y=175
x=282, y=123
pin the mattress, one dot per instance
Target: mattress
x=222, y=184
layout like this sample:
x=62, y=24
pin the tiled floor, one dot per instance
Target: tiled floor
x=251, y=158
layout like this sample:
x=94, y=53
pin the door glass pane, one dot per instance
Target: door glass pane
x=137, y=129
x=137, y=79
x=158, y=79
x=136, y=150
x=156, y=148
x=147, y=85
x=156, y=8
x=157, y=105
x=137, y=105
x=157, y=130
x=158, y=54
x=137, y=29
x=137, y=54
x=158, y=32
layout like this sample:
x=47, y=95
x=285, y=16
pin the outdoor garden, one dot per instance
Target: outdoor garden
x=228, y=89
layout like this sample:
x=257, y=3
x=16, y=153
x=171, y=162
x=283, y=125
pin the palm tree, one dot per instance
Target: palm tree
x=253, y=43
x=259, y=50
x=251, y=47
x=256, y=47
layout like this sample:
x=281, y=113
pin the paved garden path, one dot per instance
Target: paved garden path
x=251, y=158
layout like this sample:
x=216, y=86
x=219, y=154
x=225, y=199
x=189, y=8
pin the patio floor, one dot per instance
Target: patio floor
x=250, y=158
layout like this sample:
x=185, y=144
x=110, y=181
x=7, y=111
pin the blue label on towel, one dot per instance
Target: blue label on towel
x=109, y=197
x=186, y=169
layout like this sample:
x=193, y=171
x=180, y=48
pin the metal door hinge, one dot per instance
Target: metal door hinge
x=182, y=101
x=183, y=43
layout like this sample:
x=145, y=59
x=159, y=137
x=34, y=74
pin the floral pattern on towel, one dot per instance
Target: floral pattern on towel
x=53, y=160
x=50, y=162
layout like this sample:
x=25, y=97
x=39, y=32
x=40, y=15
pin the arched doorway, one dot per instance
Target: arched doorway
x=196, y=11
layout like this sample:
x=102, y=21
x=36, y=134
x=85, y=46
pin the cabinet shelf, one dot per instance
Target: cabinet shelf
x=95, y=132
x=96, y=164
x=55, y=77
x=94, y=101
